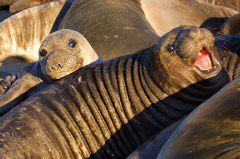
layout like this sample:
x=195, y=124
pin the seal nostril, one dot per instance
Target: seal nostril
x=72, y=43
x=52, y=68
x=59, y=65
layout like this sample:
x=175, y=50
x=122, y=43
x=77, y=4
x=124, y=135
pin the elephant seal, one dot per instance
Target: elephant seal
x=211, y=131
x=153, y=146
x=108, y=110
x=113, y=27
x=61, y=53
x=164, y=15
x=19, y=5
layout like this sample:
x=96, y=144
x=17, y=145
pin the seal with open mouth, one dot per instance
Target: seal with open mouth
x=108, y=110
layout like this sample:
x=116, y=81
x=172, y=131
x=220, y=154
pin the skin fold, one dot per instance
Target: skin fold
x=109, y=109
x=211, y=131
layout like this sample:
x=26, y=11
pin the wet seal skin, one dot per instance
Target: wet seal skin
x=108, y=110
x=61, y=53
x=211, y=131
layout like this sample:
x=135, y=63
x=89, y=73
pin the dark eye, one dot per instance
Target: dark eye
x=72, y=43
x=170, y=47
x=43, y=53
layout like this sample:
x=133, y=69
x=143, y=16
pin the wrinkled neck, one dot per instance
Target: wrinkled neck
x=187, y=98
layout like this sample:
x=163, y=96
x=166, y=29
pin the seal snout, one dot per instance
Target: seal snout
x=197, y=45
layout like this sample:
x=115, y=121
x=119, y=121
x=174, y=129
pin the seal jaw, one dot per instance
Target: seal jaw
x=206, y=62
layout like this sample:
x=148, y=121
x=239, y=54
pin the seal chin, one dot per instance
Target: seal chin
x=57, y=76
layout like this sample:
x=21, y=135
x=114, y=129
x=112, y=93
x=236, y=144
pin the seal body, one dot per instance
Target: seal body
x=153, y=146
x=61, y=53
x=113, y=27
x=211, y=131
x=164, y=15
x=108, y=110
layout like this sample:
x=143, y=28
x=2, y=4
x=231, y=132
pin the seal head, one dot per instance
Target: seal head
x=185, y=55
x=64, y=52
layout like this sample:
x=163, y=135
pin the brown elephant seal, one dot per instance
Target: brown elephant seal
x=211, y=131
x=62, y=53
x=153, y=146
x=164, y=15
x=113, y=27
x=19, y=5
x=108, y=110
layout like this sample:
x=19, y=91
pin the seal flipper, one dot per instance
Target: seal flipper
x=23, y=84
x=6, y=82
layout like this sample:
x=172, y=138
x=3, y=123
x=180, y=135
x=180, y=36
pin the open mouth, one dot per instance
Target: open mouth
x=204, y=61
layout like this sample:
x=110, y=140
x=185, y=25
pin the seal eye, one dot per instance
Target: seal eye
x=72, y=43
x=43, y=53
x=170, y=47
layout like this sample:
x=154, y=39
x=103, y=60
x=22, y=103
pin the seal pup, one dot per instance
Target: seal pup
x=108, y=110
x=61, y=53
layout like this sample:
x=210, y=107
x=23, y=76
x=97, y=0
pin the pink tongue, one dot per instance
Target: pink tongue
x=203, y=61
